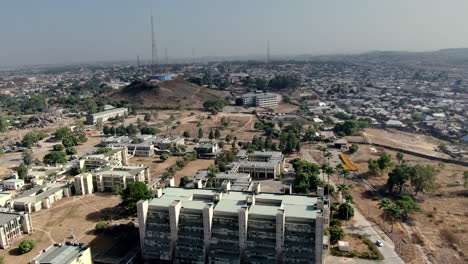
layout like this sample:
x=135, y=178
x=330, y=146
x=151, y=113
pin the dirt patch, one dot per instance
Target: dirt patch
x=67, y=216
x=191, y=169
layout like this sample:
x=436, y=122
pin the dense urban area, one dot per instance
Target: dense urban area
x=305, y=159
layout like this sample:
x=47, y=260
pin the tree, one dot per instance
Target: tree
x=423, y=178
x=99, y=124
x=200, y=132
x=103, y=150
x=211, y=135
x=31, y=137
x=71, y=151
x=116, y=189
x=354, y=148
x=385, y=161
x=101, y=225
x=106, y=130
x=56, y=157
x=384, y=204
x=211, y=175
x=217, y=134
x=215, y=106
x=149, y=131
x=465, y=179
x=373, y=166
x=186, y=134
x=394, y=211
x=3, y=124
x=147, y=117
x=112, y=131
x=343, y=189
x=399, y=176
x=26, y=245
x=27, y=157
x=345, y=211
x=335, y=233
x=225, y=121
x=168, y=122
x=134, y=192
x=164, y=157
x=70, y=141
x=63, y=132
x=22, y=171
x=400, y=157
x=349, y=198
x=408, y=206
x=183, y=181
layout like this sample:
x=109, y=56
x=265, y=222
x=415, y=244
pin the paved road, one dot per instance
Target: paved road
x=365, y=228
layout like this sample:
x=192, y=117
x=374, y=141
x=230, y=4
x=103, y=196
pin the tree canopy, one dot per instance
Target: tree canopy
x=134, y=192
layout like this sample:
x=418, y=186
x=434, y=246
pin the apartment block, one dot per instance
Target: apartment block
x=68, y=253
x=92, y=119
x=115, y=157
x=210, y=226
x=105, y=179
x=83, y=184
x=12, y=225
x=267, y=100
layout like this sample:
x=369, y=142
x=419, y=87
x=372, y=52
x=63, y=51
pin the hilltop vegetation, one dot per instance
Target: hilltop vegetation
x=175, y=93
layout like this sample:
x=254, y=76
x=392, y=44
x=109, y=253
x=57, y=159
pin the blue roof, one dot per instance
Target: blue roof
x=465, y=138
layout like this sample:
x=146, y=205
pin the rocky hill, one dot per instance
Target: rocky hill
x=168, y=93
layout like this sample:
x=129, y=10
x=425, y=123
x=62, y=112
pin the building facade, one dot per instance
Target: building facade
x=13, y=225
x=259, y=164
x=40, y=197
x=83, y=184
x=109, y=178
x=209, y=226
x=92, y=119
x=267, y=100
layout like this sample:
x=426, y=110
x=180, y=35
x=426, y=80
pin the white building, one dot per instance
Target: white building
x=13, y=184
x=267, y=100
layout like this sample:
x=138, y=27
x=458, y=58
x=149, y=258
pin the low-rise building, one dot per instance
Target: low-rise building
x=40, y=197
x=12, y=225
x=13, y=184
x=4, y=199
x=209, y=226
x=68, y=253
x=92, y=119
x=266, y=164
x=41, y=172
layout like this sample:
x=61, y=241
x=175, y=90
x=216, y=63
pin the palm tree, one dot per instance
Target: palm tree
x=384, y=204
x=395, y=212
x=349, y=199
x=328, y=155
x=329, y=171
x=343, y=188
x=345, y=173
x=168, y=122
x=323, y=170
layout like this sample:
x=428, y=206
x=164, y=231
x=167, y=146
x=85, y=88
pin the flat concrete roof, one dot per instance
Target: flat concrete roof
x=63, y=254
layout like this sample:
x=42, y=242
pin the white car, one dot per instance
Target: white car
x=379, y=243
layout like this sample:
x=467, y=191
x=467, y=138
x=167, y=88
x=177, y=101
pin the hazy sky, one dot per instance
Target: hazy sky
x=56, y=31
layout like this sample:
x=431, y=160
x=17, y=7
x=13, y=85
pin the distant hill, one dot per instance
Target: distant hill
x=167, y=93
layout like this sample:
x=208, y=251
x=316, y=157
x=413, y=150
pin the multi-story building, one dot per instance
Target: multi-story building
x=68, y=253
x=39, y=197
x=259, y=164
x=207, y=150
x=146, y=146
x=12, y=225
x=83, y=184
x=115, y=157
x=210, y=226
x=92, y=119
x=106, y=179
x=266, y=100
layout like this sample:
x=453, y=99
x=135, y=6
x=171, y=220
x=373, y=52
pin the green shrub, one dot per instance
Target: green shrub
x=101, y=225
x=26, y=245
x=71, y=151
x=58, y=147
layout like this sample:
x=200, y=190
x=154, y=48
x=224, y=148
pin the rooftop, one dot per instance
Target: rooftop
x=60, y=254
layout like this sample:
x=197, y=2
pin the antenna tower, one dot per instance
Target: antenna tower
x=154, y=48
x=268, y=52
